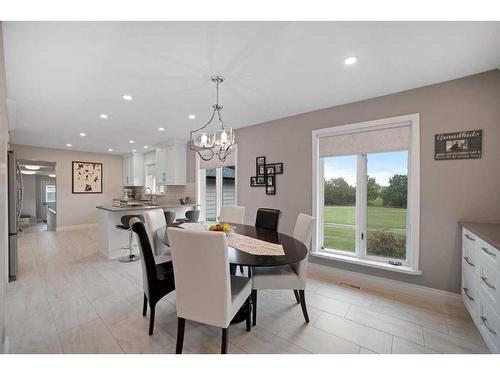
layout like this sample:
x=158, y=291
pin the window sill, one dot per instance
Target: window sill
x=366, y=262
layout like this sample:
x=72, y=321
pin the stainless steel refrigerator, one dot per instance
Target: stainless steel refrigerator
x=15, y=183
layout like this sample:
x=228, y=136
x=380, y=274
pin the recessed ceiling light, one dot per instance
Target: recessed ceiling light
x=103, y=116
x=82, y=134
x=192, y=117
x=28, y=172
x=146, y=146
x=110, y=149
x=161, y=129
x=351, y=60
x=52, y=175
x=131, y=141
x=68, y=145
x=134, y=150
x=127, y=97
x=32, y=167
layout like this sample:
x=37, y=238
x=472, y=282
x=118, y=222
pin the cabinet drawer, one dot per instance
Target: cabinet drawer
x=488, y=253
x=470, y=294
x=489, y=281
x=469, y=252
x=489, y=325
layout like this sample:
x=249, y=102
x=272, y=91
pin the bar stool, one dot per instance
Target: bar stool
x=169, y=217
x=192, y=216
x=131, y=257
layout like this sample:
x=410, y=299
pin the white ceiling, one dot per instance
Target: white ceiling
x=62, y=75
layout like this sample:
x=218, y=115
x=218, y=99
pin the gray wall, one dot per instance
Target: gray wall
x=450, y=190
x=4, y=138
x=77, y=209
x=29, y=196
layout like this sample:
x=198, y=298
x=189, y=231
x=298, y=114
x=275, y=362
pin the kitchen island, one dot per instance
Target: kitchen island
x=113, y=239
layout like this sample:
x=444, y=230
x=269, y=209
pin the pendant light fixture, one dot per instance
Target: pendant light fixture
x=207, y=141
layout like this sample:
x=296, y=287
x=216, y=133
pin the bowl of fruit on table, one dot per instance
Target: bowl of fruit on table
x=221, y=227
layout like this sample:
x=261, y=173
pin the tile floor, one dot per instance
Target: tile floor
x=69, y=299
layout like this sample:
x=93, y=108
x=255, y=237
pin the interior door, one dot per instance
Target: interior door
x=48, y=197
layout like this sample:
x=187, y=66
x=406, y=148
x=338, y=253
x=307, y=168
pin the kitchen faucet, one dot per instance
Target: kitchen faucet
x=150, y=193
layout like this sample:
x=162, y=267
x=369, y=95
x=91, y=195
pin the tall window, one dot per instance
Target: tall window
x=50, y=193
x=366, y=191
x=216, y=185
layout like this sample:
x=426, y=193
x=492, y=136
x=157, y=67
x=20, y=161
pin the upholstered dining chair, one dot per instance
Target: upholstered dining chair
x=206, y=292
x=267, y=218
x=232, y=214
x=157, y=279
x=154, y=219
x=286, y=277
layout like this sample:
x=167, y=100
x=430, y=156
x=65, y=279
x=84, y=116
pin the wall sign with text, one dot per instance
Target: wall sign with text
x=467, y=144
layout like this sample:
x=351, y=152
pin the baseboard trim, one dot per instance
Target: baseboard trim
x=76, y=227
x=370, y=281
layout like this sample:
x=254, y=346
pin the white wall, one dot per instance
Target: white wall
x=77, y=209
x=4, y=138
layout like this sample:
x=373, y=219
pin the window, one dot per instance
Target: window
x=216, y=185
x=50, y=193
x=365, y=188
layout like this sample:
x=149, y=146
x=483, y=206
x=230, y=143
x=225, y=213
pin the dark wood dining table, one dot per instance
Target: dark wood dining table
x=294, y=250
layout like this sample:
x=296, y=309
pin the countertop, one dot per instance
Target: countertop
x=163, y=205
x=489, y=233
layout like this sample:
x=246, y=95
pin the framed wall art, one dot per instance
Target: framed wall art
x=86, y=177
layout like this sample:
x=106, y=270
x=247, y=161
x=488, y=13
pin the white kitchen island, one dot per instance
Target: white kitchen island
x=113, y=239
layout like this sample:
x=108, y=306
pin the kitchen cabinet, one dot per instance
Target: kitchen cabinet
x=171, y=164
x=481, y=279
x=133, y=170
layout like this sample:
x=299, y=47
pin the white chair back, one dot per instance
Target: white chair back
x=154, y=219
x=302, y=232
x=232, y=214
x=201, y=273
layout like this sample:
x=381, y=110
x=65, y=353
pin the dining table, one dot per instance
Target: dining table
x=293, y=250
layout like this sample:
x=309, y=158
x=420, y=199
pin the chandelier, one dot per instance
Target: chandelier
x=208, y=143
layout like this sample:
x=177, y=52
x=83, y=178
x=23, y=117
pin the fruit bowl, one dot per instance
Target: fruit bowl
x=221, y=227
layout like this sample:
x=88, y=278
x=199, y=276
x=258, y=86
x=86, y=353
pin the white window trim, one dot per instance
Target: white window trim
x=200, y=191
x=413, y=206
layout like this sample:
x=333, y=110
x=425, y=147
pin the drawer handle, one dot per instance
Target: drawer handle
x=488, y=252
x=469, y=237
x=469, y=262
x=484, y=320
x=485, y=280
x=466, y=291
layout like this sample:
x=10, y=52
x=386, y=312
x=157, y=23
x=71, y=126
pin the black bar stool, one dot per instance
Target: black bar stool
x=169, y=217
x=125, y=226
x=192, y=216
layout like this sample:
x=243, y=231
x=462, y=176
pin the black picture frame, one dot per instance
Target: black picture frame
x=278, y=167
x=261, y=181
x=270, y=170
x=253, y=181
x=270, y=190
x=270, y=180
x=261, y=170
x=75, y=166
x=260, y=161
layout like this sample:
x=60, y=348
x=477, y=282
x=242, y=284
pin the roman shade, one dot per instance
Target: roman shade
x=394, y=138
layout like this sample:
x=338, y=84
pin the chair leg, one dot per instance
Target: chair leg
x=296, y=292
x=152, y=318
x=223, y=348
x=145, y=305
x=254, y=302
x=242, y=271
x=303, y=304
x=181, y=323
x=249, y=309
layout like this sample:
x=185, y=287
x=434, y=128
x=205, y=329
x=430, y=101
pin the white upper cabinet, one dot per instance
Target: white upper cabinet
x=171, y=164
x=133, y=170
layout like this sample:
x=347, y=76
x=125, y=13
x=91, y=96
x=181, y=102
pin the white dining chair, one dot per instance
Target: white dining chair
x=205, y=291
x=232, y=214
x=286, y=277
x=154, y=219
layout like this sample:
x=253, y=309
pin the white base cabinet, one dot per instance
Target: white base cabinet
x=481, y=286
